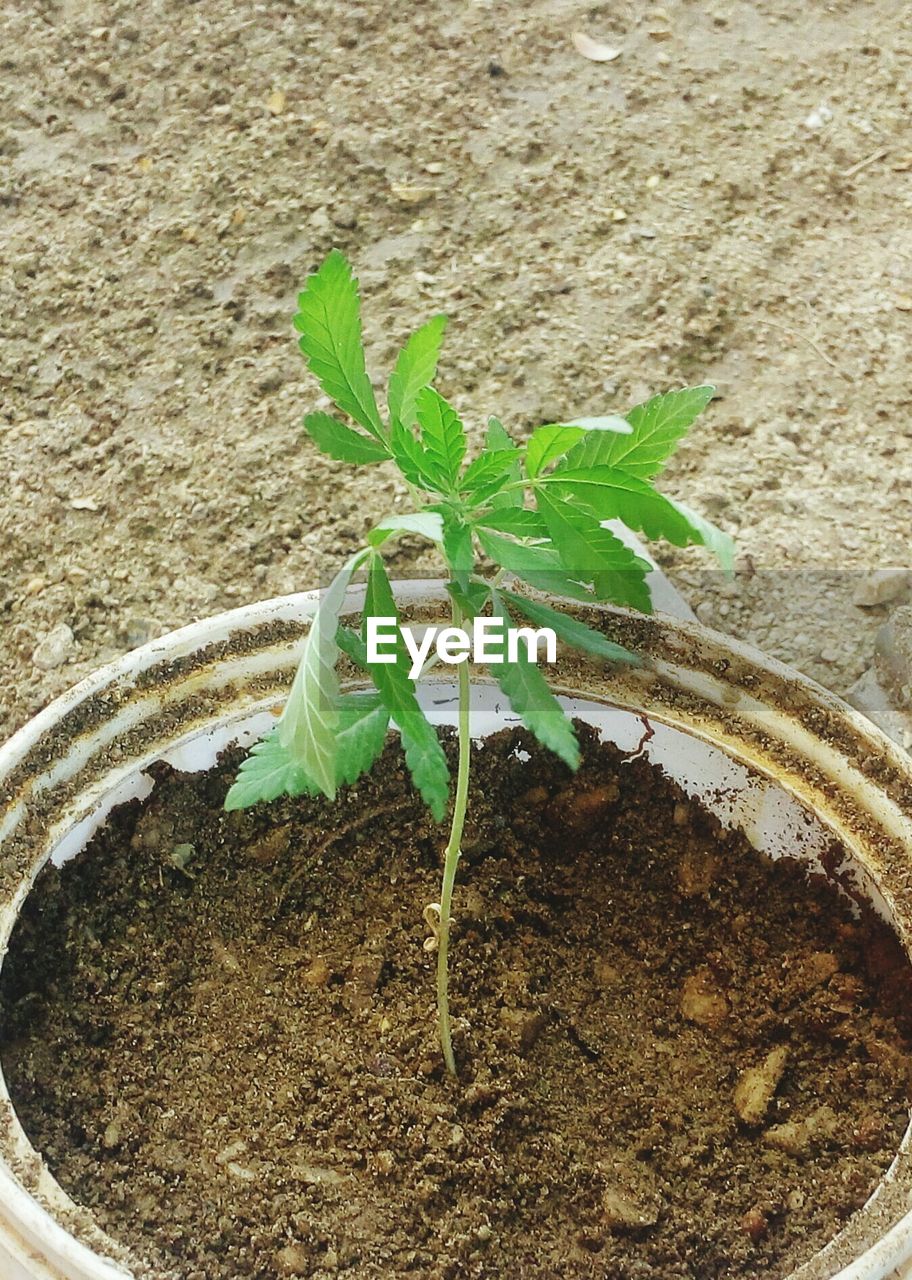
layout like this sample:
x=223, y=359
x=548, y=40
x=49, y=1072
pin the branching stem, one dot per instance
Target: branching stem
x=451, y=861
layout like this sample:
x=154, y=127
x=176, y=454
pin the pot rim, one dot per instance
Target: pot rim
x=775, y=720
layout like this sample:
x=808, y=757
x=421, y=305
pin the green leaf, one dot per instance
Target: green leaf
x=516, y=520
x=442, y=435
x=457, y=546
x=363, y=723
x=532, y=700
x=609, y=493
x=409, y=456
x=268, y=771
x=484, y=477
x=498, y=440
x=354, y=648
x=342, y=442
x=709, y=535
x=546, y=444
x=415, y=368
x=471, y=600
x=307, y=727
x=658, y=425
x=423, y=753
x=428, y=524
x=593, y=554
x=570, y=630
x=540, y=566
x=329, y=321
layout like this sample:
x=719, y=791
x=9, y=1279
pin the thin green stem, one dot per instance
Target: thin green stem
x=451, y=861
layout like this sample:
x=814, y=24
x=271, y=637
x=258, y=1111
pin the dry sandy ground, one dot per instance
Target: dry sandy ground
x=727, y=200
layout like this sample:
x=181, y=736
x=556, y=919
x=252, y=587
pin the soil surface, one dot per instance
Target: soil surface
x=728, y=199
x=677, y=1059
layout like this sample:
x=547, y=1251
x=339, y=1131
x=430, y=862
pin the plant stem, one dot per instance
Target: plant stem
x=451, y=862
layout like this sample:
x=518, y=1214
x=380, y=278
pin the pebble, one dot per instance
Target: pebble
x=757, y=1085
x=293, y=1260
x=581, y=809
x=318, y=974
x=893, y=652
x=793, y=1137
x=755, y=1224
x=622, y=1213
x=270, y=847
x=703, y=1002
x=698, y=871
x=57, y=647
x=817, y=118
x=881, y=587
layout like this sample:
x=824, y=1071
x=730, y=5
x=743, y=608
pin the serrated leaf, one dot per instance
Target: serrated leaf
x=519, y=521
x=484, y=477
x=268, y=771
x=658, y=425
x=548, y=443
x=570, y=630
x=498, y=440
x=532, y=700
x=427, y=524
x=442, y=435
x=409, y=456
x=340, y=441
x=540, y=566
x=609, y=493
x=593, y=554
x=361, y=734
x=307, y=727
x=415, y=368
x=329, y=321
x=423, y=753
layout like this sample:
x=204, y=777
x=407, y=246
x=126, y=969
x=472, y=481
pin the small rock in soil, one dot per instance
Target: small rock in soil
x=581, y=809
x=793, y=1137
x=881, y=587
x=57, y=647
x=525, y=1028
x=317, y=974
x=363, y=981
x=755, y=1224
x=293, y=1260
x=698, y=871
x=620, y=1212
x=702, y=999
x=270, y=847
x=757, y=1085
x=893, y=652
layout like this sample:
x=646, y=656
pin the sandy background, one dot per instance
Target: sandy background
x=728, y=200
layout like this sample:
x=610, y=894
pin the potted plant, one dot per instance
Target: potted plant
x=574, y=942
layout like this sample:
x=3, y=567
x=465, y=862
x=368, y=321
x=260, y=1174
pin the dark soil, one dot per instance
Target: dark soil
x=677, y=1059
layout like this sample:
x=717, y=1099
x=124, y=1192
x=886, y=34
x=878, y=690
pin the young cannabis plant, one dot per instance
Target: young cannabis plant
x=537, y=511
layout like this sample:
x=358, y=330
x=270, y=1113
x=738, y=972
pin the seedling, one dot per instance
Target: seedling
x=536, y=512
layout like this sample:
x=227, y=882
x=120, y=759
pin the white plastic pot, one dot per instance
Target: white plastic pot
x=762, y=746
